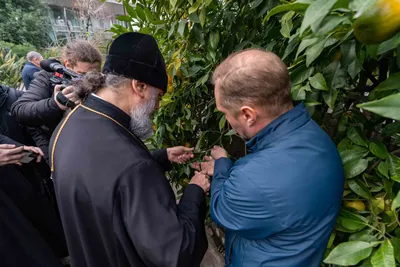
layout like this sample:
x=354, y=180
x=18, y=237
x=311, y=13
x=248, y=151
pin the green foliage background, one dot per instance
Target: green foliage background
x=24, y=22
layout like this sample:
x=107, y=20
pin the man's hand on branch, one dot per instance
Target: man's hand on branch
x=207, y=166
x=218, y=152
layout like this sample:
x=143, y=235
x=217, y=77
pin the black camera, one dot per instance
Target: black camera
x=62, y=76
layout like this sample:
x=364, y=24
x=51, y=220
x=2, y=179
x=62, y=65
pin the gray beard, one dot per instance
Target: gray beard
x=141, y=124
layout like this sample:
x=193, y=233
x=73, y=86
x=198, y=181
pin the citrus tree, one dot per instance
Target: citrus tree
x=350, y=86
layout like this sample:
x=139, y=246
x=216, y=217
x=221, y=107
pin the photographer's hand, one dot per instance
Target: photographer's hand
x=69, y=93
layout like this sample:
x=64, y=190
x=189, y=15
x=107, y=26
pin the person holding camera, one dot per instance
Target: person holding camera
x=116, y=204
x=39, y=108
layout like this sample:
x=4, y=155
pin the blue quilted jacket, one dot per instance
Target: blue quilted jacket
x=279, y=203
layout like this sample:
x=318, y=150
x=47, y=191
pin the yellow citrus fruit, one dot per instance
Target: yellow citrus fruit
x=358, y=205
x=380, y=22
x=187, y=144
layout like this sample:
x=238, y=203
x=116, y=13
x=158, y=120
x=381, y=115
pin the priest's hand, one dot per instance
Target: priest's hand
x=11, y=154
x=179, y=154
x=218, y=152
x=207, y=166
x=202, y=180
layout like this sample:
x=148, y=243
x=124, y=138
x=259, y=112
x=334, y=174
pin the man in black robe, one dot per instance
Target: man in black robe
x=116, y=205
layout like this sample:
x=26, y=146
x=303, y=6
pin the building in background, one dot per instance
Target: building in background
x=72, y=19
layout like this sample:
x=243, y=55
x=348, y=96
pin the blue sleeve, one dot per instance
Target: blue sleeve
x=237, y=204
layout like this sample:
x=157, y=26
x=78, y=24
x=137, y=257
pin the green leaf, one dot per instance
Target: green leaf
x=214, y=40
x=198, y=33
x=354, y=168
x=360, y=6
x=330, y=97
x=354, y=68
x=195, y=6
x=357, y=137
x=383, y=168
x=291, y=46
x=255, y=4
x=202, y=16
x=129, y=9
x=288, y=7
x=173, y=3
x=315, y=14
x=314, y=51
x=149, y=15
x=349, y=253
x=318, y=82
x=301, y=74
x=394, y=167
x=396, y=202
x=330, y=23
x=231, y=132
x=298, y=93
x=384, y=257
x=124, y=18
x=286, y=24
x=181, y=27
x=364, y=235
x=396, y=247
x=311, y=103
x=391, y=83
x=140, y=13
x=354, y=153
x=390, y=44
x=335, y=76
x=348, y=50
x=378, y=149
x=306, y=43
x=359, y=188
x=222, y=122
x=388, y=107
x=352, y=221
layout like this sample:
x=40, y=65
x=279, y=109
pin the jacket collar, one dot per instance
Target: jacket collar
x=31, y=64
x=285, y=124
x=109, y=109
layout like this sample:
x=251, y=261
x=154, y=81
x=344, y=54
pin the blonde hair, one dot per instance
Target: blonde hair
x=81, y=51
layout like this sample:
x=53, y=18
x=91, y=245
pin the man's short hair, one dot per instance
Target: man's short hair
x=81, y=51
x=254, y=76
x=32, y=55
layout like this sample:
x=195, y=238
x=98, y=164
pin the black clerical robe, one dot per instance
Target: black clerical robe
x=116, y=205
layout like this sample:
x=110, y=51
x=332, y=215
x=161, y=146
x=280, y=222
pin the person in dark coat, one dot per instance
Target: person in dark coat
x=28, y=186
x=30, y=231
x=31, y=67
x=116, y=205
x=38, y=106
x=279, y=203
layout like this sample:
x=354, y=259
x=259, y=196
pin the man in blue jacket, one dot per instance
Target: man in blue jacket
x=31, y=66
x=279, y=203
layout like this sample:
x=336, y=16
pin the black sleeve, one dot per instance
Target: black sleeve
x=163, y=234
x=4, y=140
x=37, y=106
x=161, y=156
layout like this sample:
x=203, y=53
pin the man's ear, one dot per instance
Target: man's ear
x=139, y=87
x=67, y=64
x=249, y=115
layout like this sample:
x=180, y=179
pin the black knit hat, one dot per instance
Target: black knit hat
x=137, y=56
